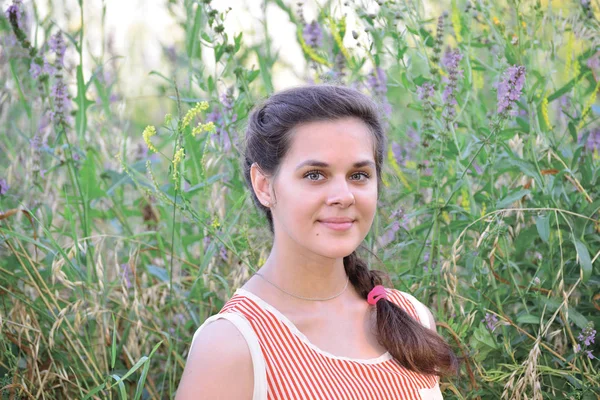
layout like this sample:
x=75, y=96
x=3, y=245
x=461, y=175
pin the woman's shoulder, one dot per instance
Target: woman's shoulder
x=413, y=306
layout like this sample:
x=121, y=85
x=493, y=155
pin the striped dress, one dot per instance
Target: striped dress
x=288, y=366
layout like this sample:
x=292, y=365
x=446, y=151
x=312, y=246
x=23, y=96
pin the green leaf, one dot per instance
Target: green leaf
x=573, y=315
x=95, y=390
x=89, y=183
x=144, y=374
x=543, y=227
x=512, y=197
x=113, y=348
x=584, y=259
x=82, y=102
x=528, y=319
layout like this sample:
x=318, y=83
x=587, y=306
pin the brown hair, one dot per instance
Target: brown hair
x=268, y=135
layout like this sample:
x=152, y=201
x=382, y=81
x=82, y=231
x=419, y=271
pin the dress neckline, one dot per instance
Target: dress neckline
x=286, y=321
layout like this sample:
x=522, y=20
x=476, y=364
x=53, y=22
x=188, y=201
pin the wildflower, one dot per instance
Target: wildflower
x=536, y=281
x=206, y=241
x=456, y=23
x=425, y=91
x=592, y=143
x=223, y=253
x=509, y=89
x=588, y=105
x=208, y=127
x=59, y=92
x=491, y=321
x=377, y=81
x=149, y=131
x=465, y=202
x=496, y=21
x=217, y=120
x=125, y=274
x=35, y=69
x=60, y=95
x=193, y=112
x=58, y=46
x=399, y=220
x=14, y=13
x=450, y=61
x=594, y=61
x=3, y=186
x=312, y=34
x=439, y=40
x=587, y=336
x=544, y=112
x=424, y=168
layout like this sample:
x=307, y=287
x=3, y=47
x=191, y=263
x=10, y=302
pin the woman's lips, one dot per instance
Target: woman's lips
x=339, y=226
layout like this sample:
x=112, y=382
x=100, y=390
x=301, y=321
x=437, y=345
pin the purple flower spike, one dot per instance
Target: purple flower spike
x=312, y=34
x=491, y=321
x=58, y=46
x=15, y=11
x=3, y=187
x=509, y=89
x=425, y=91
x=377, y=81
x=451, y=61
x=587, y=336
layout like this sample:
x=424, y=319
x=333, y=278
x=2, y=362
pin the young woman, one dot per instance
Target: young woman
x=315, y=322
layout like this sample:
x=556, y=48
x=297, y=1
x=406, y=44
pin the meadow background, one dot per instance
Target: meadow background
x=125, y=222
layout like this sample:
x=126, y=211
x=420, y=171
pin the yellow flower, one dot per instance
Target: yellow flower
x=149, y=131
x=465, y=203
x=215, y=224
x=168, y=119
x=396, y=168
x=569, y=55
x=477, y=79
x=588, y=105
x=309, y=51
x=523, y=24
x=483, y=210
x=177, y=159
x=456, y=23
x=496, y=21
x=193, y=112
x=208, y=127
x=544, y=110
x=338, y=39
x=446, y=216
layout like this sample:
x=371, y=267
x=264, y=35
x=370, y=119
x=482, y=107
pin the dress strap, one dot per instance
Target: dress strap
x=258, y=360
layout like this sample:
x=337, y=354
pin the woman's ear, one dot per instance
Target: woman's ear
x=261, y=183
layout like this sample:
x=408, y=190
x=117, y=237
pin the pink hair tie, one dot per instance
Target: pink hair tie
x=377, y=293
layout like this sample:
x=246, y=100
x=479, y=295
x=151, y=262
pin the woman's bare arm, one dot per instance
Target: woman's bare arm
x=219, y=366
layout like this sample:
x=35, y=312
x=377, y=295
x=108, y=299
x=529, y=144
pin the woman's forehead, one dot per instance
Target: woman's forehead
x=347, y=138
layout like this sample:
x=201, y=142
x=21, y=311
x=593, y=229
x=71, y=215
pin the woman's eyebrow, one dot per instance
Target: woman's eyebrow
x=317, y=163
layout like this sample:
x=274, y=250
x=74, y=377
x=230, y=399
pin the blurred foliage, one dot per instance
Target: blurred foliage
x=118, y=239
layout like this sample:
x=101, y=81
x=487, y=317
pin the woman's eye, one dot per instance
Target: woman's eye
x=317, y=173
x=312, y=173
x=364, y=174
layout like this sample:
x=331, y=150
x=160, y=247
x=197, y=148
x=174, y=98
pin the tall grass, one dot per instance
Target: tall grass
x=119, y=236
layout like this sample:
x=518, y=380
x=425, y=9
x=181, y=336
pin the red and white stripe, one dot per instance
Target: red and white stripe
x=296, y=369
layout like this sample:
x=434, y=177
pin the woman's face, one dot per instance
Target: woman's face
x=329, y=173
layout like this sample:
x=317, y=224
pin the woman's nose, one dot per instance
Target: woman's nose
x=341, y=194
